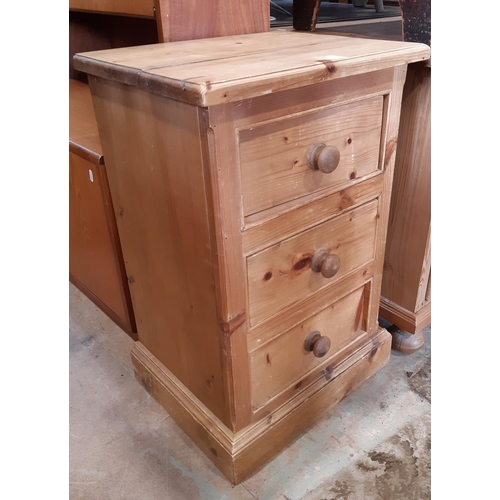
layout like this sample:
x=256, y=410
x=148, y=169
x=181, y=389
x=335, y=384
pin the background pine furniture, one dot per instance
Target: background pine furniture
x=255, y=312
x=406, y=288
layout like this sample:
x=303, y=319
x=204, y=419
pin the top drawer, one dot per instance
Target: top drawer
x=274, y=157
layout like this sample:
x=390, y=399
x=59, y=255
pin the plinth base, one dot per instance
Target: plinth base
x=239, y=454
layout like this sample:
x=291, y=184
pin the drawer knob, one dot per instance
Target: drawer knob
x=325, y=263
x=323, y=157
x=318, y=344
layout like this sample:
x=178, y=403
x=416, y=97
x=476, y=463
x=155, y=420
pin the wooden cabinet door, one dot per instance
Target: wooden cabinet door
x=94, y=254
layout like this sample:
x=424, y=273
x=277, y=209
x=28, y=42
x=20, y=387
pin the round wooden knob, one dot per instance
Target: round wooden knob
x=318, y=344
x=323, y=157
x=325, y=263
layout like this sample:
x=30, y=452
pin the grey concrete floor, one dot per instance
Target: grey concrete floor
x=374, y=445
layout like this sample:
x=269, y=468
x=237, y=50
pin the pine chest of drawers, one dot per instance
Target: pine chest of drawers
x=251, y=179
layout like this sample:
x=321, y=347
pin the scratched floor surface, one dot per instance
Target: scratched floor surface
x=374, y=445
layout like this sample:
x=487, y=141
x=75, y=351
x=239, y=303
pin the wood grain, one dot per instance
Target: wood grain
x=410, y=321
x=296, y=217
x=287, y=423
x=284, y=361
x=225, y=298
x=424, y=294
x=281, y=276
x=96, y=261
x=313, y=381
x=221, y=170
x=388, y=155
x=142, y=8
x=428, y=291
x=239, y=454
x=313, y=304
x=192, y=416
x=94, y=250
x=268, y=107
x=162, y=215
x=407, y=256
x=192, y=19
x=90, y=32
x=83, y=134
x=273, y=155
x=229, y=69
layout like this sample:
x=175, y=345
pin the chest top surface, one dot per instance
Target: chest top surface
x=227, y=69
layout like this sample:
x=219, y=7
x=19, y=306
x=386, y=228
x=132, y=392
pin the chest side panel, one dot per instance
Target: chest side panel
x=154, y=157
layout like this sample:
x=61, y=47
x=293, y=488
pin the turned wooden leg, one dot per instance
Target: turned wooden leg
x=305, y=13
x=404, y=341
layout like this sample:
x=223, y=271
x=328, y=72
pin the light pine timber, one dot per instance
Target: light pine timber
x=162, y=217
x=103, y=24
x=390, y=134
x=281, y=275
x=293, y=315
x=273, y=156
x=416, y=132
x=199, y=260
x=293, y=217
x=226, y=219
x=239, y=454
x=244, y=66
x=300, y=391
x=406, y=280
x=284, y=361
x=334, y=92
x=407, y=265
x=409, y=321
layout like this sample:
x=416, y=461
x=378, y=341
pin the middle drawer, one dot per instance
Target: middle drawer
x=288, y=272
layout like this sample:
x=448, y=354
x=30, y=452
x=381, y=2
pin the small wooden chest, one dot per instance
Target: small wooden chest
x=251, y=178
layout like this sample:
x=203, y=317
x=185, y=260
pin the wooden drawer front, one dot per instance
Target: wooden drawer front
x=273, y=156
x=281, y=275
x=284, y=361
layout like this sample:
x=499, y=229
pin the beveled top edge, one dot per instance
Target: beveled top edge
x=226, y=69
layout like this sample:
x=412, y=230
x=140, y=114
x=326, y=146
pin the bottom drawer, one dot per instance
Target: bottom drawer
x=285, y=360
